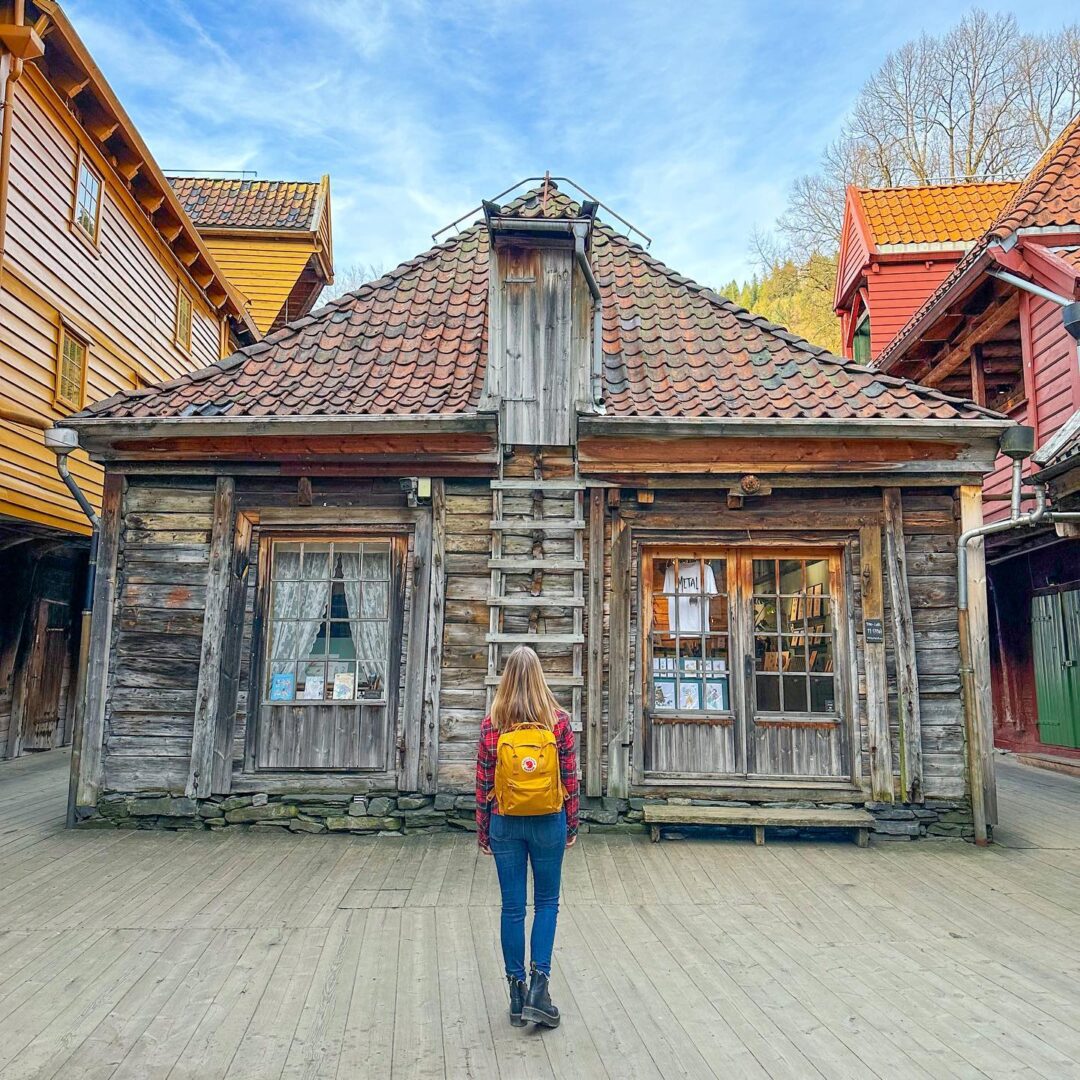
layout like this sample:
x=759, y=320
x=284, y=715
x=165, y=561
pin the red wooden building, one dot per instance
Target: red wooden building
x=990, y=328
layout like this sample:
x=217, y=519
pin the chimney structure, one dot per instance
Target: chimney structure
x=544, y=329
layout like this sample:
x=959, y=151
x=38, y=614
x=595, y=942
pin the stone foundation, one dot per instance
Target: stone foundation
x=395, y=812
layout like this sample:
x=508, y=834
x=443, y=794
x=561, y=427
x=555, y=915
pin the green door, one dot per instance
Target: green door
x=1055, y=628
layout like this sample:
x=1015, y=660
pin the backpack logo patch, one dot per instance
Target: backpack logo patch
x=528, y=764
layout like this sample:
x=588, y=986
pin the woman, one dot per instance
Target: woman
x=522, y=702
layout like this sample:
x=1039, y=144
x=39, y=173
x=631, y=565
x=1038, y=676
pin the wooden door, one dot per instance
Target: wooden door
x=1055, y=629
x=46, y=675
x=741, y=673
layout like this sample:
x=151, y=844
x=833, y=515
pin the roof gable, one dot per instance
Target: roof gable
x=415, y=342
x=215, y=203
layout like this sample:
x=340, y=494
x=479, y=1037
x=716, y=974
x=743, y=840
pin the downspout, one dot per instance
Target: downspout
x=62, y=441
x=581, y=230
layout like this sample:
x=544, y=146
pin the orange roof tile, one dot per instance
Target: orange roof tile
x=214, y=203
x=933, y=214
x=415, y=342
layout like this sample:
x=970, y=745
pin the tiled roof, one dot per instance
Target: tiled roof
x=247, y=204
x=933, y=214
x=415, y=342
x=1048, y=198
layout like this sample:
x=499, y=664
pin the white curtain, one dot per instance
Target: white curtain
x=368, y=636
x=303, y=605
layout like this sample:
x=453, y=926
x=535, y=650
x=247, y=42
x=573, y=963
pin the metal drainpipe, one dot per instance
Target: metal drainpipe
x=62, y=441
x=580, y=232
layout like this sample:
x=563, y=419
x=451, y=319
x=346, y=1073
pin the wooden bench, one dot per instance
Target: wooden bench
x=759, y=818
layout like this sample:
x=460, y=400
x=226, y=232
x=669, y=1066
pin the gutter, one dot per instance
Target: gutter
x=581, y=231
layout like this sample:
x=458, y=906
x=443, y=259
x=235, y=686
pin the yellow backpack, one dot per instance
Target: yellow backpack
x=527, y=777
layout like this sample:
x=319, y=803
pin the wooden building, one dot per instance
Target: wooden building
x=105, y=285
x=271, y=237
x=988, y=332
x=897, y=245
x=735, y=552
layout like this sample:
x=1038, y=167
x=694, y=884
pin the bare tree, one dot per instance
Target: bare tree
x=980, y=102
x=349, y=279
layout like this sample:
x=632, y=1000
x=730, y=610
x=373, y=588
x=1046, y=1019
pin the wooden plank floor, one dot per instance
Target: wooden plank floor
x=264, y=954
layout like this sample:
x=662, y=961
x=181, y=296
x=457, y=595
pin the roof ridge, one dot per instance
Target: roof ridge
x=819, y=353
x=947, y=184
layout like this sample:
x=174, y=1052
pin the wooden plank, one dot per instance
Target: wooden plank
x=594, y=723
x=536, y=601
x=538, y=485
x=216, y=630
x=758, y=815
x=429, y=735
x=534, y=639
x=87, y=764
x=537, y=525
x=877, y=696
x=552, y=565
x=619, y=714
x=903, y=635
x=415, y=683
x=975, y=672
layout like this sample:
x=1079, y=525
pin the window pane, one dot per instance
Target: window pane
x=795, y=693
x=370, y=679
x=317, y=561
x=312, y=682
x=767, y=653
x=286, y=561
x=664, y=671
x=791, y=575
x=714, y=671
x=341, y=645
x=817, y=576
x=793, y=614
x=346, y=560
x=794, y=650
x=764, y=614
x=821, y=653
x=376, y=561
x=765, y=575
x=370, y=639
x=341, y=681
x=822, y=694
x=767, y=691
x=376, y=600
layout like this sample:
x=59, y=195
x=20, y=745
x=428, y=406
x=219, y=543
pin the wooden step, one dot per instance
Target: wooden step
x=538, y=485
x=539, y=525
x=758, y=817
x=521, y=566
x=535, y=639
x=535, y=601
x=558, y=681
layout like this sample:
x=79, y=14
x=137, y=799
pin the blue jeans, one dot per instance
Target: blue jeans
x=515, y=841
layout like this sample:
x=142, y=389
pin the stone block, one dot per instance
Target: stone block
x=260, y=799
x=184, y=807
x=211, y=810
x=333, y=799
x=358, y=807
x=896, y=828
x=380, y=806
x=306, y=824
x=277, y=811
x=635, y=815
x=154, y=806
x=465, y=802
x=895, y=813
x=600, y=817
x=444, y=801
x=422, y=818
x=234, y=802
x=610, y=803
x=114, y=808
x=314, y=809
x=345, y=823
x=413, y=802
x=678, y=800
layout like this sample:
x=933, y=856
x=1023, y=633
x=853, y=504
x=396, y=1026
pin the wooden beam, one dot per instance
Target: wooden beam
x=594, y=715
x=215, y=631
x=975, y=673
x=903, y=635
x=86, y=755
x=415, y=682
x=978, y=375
x=998, y=315
x=877, y=687
x=619, y=715
x=429, y=745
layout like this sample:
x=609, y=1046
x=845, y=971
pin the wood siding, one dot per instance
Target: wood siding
x=263, y=269
x=120, y=294
x=897, y=290
x=853, y=256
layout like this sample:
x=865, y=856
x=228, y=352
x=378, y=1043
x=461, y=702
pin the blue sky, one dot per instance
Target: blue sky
x=689, y=119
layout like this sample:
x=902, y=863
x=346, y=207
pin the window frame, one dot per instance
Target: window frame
x=861, y=332
x=183, y=340
x=69, y=333
x=264, y=645
x=82, y=161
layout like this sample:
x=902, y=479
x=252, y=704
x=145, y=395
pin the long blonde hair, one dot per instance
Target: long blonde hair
x=523, y=696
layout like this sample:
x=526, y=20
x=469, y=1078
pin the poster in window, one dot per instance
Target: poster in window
x=716, y=696
x=664, y=694
x=312, y=689
x=343, y=686
x=690, y=695
x=282, y=686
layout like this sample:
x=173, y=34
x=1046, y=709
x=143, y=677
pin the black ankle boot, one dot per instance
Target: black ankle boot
x=538, y=1007
x=517, y=999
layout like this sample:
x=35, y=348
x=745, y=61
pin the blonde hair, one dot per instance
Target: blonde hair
x=523, y=696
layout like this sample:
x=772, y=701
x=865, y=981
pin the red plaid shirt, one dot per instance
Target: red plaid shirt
x=485, y=775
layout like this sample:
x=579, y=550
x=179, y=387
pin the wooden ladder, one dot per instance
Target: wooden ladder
x=537, y=593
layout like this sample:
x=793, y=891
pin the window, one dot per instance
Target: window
x=860, y=343
x=689, y=635
x=328, y=624
x=87, y=206
x=183, y=318
x=70, y=369
x=793, y=637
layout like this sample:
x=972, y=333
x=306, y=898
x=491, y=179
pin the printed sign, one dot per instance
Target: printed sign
x=282, y=686
x=875, y=631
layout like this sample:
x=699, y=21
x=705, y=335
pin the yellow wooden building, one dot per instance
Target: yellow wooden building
x=106, y=286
